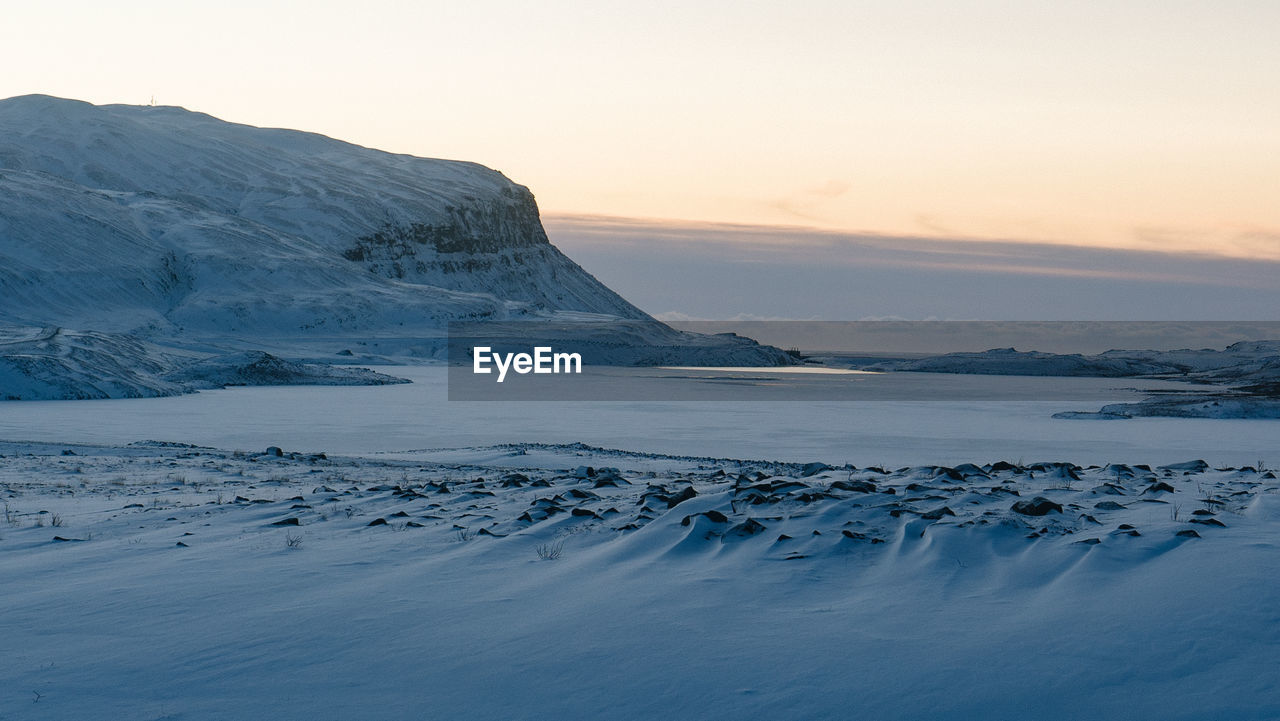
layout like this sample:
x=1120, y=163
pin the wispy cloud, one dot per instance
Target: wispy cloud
x=807, y=204
x=1165, y=262
x=1233, y=242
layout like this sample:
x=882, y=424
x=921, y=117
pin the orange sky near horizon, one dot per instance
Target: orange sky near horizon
x=1117, y=124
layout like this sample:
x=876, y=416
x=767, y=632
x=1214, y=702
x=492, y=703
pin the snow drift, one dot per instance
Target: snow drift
x=188, y=582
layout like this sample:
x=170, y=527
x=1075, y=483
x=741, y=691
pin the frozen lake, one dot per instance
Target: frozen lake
x=390, y=419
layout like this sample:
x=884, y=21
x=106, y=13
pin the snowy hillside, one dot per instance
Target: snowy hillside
x=60, y=364
x=51, y=363
x=157, y=219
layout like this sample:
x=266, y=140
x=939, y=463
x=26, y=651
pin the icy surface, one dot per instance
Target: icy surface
x=418, y=416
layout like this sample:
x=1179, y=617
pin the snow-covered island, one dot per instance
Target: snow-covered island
x=1241, y=380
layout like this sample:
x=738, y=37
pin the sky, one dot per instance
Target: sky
x=1130, y=126
x=710, y=271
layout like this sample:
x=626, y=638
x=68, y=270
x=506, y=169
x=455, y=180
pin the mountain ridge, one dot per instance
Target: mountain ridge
x=152, y=237
x=210, y=215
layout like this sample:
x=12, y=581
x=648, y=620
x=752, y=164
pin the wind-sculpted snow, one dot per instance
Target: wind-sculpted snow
x=156, y=219
x=788, y=511
x=578, y=581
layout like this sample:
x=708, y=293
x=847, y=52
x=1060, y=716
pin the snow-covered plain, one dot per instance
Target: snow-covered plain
x=196, y=583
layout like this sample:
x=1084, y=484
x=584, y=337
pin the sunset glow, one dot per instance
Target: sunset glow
x=1114, y=124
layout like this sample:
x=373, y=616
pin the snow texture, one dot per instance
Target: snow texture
x=58, y=364
x=164, y=580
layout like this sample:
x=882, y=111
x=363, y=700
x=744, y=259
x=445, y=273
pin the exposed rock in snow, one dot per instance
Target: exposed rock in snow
x=255, y=368
x=645, y=602
x=1038, y=506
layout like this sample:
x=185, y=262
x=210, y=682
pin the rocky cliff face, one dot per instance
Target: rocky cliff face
x=166, y=222
x=134, y=240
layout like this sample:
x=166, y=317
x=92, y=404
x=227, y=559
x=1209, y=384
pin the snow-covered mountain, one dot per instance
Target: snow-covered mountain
x=166, y=222
x=156, y=231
